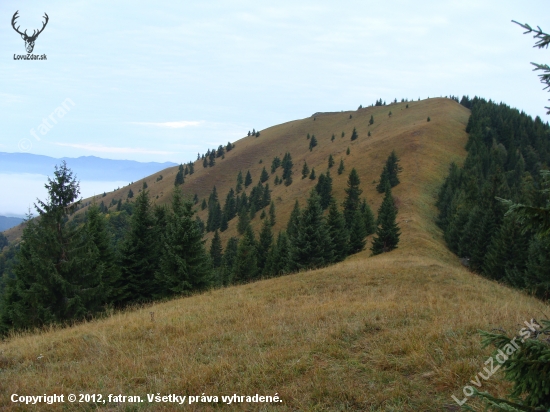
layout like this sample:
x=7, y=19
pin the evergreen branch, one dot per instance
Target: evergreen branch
x=544, y=38
x=543, y=41
x=533, y=218
x=497, y=404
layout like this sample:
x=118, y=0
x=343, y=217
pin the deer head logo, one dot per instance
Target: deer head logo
x=29, y=40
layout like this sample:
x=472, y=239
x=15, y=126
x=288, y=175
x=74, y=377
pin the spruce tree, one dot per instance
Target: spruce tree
x=338, y=233
x=179, y=176
x=384, y=181
x=389, y=173
x=287, y=168
x=478, y=251
x=275, y=164
x=371, y=121
x=230, y=205
x=357, y=233
x=245, y=267
x=288, y=180
x=387, y=232
x=368, y=217
x=305, y=171
x=279, y=259
x=105, y=263
x=252, y=211
x=214, y=212
x=138, y=260
x=324, y=189
x=184, y=263
x=247, y=179
x=330, y=161
x=216, y=249
x=244, y=221
x=264, y=175
x=341, y=167
x=312, y=174
x=265, y=199
x=354, y=135
x=58, y=274
x=311, y=247
x=272, y=213
x=293, y=225
x=228, y=260
x=224, y=222
x=537, y=271
x=352, y=202
x=393, y=168
x=312, y=142
x=239, y=186
x=264, y=245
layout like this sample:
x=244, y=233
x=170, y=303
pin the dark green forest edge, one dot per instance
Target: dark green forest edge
x=71, y=267
x=495, y=213
x=507, y=150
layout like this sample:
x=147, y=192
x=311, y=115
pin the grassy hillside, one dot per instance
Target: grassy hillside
x=395, y=332
x=406, y=131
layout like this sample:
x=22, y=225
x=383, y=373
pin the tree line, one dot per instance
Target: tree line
x=507, y=149
x=69, y=266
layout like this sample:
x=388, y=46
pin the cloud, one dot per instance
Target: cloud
x=171, y=125
x=111, y=149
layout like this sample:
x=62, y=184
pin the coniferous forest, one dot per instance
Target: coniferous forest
x=507, y=150
x=69, y=267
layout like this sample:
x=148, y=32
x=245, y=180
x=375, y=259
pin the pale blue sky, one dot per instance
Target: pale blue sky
x=163, y=80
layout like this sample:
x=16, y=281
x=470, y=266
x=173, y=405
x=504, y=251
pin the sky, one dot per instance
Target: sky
x=164, y=80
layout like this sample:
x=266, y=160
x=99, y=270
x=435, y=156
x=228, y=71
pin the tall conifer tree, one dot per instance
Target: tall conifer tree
x=58, y=272
x=245, y=267
x=312, y=248
x=387, y=232
x=352, y=202
x=239, y=186
x=216, y=250
x=339, y=235
x=228, y=260
x=248, y=179
x=138, y=259
x=265, y=243
x=184, y=264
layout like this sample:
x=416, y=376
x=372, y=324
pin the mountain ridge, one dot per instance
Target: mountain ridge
x=85, y=167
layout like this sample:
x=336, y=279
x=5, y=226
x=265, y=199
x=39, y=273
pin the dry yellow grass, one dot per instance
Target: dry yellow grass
x=396, y=332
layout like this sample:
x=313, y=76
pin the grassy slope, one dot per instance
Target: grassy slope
x=396, y=332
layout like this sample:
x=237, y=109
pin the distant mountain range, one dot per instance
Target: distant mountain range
x=85, y=167
x=8, y=222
